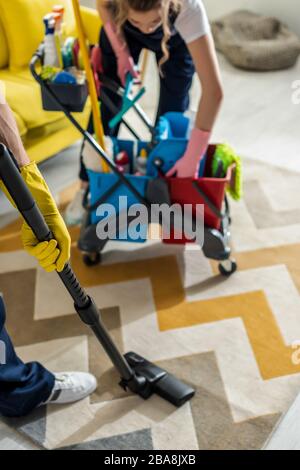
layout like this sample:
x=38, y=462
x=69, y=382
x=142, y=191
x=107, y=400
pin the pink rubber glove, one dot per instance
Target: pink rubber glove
x=125, y=61
x=188, y=165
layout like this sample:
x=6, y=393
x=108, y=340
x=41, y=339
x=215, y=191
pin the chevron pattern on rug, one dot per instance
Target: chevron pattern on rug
x=229, y=338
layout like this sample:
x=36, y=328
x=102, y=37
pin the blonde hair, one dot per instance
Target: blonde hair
x=121, y=8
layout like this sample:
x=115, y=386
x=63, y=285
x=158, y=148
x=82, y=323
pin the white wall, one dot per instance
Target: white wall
x=286, y=10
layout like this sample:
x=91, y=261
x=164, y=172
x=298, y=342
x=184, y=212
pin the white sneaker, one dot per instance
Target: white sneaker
x=75, y=212
x=70, y=387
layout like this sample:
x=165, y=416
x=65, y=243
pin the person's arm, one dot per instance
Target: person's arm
x=103, y=7
x=117, y=41
x=9, y=134
x=51, y=255
x=206, y=63
x=205, y=60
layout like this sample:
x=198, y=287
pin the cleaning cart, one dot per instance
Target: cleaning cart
x=167, y=143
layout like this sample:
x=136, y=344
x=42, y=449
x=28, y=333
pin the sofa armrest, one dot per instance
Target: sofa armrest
x=92, y=24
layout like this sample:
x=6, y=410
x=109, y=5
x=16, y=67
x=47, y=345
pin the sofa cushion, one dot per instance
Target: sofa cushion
x=3, y=48
x=24, y=28
x=24, y=96
x=92, y=24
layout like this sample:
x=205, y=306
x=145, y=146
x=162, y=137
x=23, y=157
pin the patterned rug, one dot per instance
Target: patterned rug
x=231, y=339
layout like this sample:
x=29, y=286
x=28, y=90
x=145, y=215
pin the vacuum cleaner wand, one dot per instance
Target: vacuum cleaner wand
x=137, y=374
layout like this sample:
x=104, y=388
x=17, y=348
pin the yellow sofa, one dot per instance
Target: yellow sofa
x=21, y=31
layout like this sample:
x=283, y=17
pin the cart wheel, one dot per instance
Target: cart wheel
x=92, y=259
x=228, y=267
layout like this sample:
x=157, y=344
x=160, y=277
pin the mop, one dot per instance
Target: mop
x=90, y=79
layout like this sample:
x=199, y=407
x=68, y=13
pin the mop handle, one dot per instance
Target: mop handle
x=90, y=79
x=26, y=205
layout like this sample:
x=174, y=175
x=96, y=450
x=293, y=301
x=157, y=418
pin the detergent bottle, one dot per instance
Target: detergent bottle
x=141, y=162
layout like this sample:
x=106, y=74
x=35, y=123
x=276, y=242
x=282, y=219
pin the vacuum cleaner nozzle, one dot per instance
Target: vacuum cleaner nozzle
x=158, y=381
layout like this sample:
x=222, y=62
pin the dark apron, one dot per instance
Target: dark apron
x=175, y=82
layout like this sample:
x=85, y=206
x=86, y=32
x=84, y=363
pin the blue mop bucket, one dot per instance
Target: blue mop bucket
x=120, y=199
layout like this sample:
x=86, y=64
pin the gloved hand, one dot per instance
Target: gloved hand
x=188, y=165
x=52, y=255
x=124, y=59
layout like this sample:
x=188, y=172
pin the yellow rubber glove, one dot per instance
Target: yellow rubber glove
x=52, y=255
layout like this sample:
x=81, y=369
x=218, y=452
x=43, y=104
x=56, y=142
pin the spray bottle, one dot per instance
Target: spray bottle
x=50, y=56
x=60, y=25
x=58, y=38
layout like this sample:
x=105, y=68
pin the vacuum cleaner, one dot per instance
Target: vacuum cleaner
x=137, y=374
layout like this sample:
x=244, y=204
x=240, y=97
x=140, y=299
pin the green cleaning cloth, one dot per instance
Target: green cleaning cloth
x=227, y=156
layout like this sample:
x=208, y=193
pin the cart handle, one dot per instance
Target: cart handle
x=37, y=58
